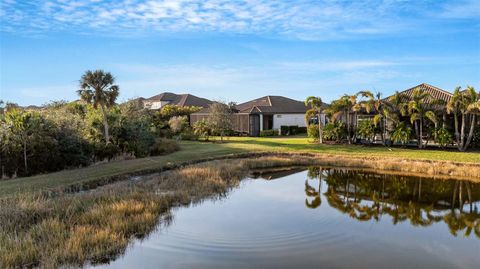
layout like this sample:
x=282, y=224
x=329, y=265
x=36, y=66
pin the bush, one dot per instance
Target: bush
x=188, y=134
x=164, y=146
x=178, y=123
x=265, y=133
x=334, y=131
x=202, y=128
x=106, y=151
x=313, y=132
x=366, y=129
x=302, y=130
x=292, y=130
x=402, y=133
x=443, y=137
x=476, y=138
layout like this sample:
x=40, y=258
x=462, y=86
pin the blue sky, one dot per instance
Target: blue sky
x=237, y=50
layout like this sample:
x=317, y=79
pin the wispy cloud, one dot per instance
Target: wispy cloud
x=299, y=19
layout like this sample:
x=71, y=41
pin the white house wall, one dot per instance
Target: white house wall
x=288, y=119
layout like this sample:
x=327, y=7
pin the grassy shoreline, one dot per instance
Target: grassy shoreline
x=192, y=152
x=97, y=226
x=40, y=229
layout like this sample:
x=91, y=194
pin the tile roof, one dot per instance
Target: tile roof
x=180, y=99
x=435, y=93
x=272, y=104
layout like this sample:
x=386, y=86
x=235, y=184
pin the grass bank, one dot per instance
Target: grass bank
x=433, y=162
x=96, y=226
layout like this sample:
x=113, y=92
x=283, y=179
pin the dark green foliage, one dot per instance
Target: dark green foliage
x=266, y=133
x=476, y=138
x=163, y=146
x=69, y=135
x=366, y=129
x=313, y=131
x=443, y=137
x=335, y=131
x=402, y=133
x=292, y=130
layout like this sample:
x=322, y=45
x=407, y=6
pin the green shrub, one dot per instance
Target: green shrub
x=189, y=134
x=334, y=131
x=476, y=138
x=366, y=129
x=443, y=137
x=402, y=133
x=302, y=130
x=266, y=133
x=164, y=146
x=106, y=151
x=202, y=128
x=313, y=132
x=292, y=130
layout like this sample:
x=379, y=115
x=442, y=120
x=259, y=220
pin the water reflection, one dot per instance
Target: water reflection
x=296, y=217
x=368, y=196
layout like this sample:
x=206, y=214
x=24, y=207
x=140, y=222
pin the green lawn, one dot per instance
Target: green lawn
x=200, y=150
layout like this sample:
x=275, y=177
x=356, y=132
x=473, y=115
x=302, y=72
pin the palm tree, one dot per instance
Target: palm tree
x=363, y=101
x=317, y=108
x=465, y=104
x=343, y=107
x=382, y=113
x=97, y=88
x=419, y=109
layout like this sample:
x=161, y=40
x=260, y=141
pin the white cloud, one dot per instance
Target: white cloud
x=299, y=19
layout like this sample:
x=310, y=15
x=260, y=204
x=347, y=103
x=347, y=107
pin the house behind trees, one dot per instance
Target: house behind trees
x=167, y=98
x=264, y=113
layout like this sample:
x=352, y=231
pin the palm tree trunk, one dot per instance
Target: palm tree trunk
x=457, y=135
x=348, y=127
x=420, y=137
x=470, y=133
x=320, y=129
x=444, y=120
x=105, y=124
x=462, y=134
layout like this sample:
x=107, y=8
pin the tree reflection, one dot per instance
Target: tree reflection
x=367, y=196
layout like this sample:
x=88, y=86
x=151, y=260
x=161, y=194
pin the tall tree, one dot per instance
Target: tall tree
x=22, y=125
x=343, y=107
x=316, y=105
x=97, y=88
x=364, y=101
x=382, y=114
x=220, y=118
x=464, y=104
x=419, y=109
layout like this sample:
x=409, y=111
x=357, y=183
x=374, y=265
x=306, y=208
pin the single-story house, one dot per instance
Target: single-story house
x=265, y=113
x=435, y=94
x=168, y=98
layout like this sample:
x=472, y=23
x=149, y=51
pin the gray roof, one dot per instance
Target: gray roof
x=272, y=104
x=180, y=99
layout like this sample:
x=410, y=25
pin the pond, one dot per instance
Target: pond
x=321, y=217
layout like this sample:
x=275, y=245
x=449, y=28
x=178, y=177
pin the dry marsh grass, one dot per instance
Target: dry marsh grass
x=40, y=230
x=37, y=230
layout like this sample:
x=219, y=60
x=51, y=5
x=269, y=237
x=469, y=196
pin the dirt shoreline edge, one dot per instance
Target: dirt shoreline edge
x=422, y=168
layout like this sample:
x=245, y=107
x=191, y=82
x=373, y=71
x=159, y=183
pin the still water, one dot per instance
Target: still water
x=321, y=218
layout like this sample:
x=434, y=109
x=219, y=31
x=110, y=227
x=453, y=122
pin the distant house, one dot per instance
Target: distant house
x=168, y=98
x=265, y=113
x=435, y=94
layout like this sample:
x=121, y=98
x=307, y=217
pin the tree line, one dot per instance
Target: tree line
x=93, y=129
x=399, y=119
